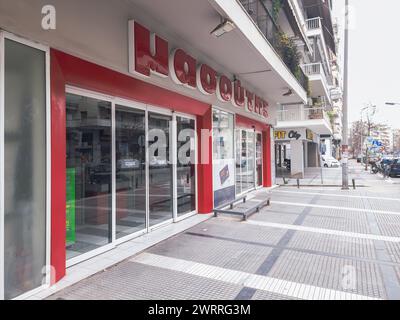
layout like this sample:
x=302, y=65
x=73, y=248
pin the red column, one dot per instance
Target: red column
x=204, y=167
x=58, y=171
x=267, y=171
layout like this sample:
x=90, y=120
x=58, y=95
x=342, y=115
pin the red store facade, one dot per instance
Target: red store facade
x=109, y=156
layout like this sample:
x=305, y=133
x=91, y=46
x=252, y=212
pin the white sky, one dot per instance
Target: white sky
x=374, y=57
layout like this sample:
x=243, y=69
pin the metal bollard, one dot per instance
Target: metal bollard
x=354, y=184
x=298, y=183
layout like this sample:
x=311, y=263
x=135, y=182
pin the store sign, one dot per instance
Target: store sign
x=310, y=135
x=224, y=181
x=149, y=54
x=287, y=135
x=294, y=134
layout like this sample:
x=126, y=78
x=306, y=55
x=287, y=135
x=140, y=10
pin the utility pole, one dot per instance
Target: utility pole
x=345, y=143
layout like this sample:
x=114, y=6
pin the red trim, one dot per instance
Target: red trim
x=243, y=122
x=267, y=172
x=205, y=168
x=90, y=76
x=58, y=171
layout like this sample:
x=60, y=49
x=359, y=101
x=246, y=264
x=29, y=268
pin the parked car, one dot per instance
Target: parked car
x=330, y=162
x=156, y=162
x=384, y=162
x=128, y=164
x=394, y=168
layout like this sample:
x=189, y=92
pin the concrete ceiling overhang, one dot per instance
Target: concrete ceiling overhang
x=233, y=54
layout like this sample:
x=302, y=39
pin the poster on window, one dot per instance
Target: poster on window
x=70, y=208
x=224, y=181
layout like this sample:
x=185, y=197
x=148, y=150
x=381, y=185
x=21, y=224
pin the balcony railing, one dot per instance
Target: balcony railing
x=268, y=27
x=303, y=114
x=314, y=23
x=315, y=69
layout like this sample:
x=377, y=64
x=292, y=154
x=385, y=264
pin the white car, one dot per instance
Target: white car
x=330, y=162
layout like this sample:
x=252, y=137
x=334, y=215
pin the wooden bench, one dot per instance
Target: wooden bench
x=243, y=210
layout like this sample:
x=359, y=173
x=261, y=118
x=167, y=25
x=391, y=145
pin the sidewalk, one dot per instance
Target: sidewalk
x=311, y=243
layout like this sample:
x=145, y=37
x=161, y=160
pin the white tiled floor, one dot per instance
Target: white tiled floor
x=273, y=285
x=121, y=252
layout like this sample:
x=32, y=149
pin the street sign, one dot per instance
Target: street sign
x=376, y=143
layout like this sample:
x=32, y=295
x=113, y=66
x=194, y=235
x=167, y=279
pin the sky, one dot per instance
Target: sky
x=374, y=57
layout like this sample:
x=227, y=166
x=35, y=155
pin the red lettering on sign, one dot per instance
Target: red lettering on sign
x=206, y=79
x=250, y=100
x=265, y=113
x=224, y=91
x=144, y=60
x=150, y=54
x=258, y=105
x=183, y=68
x=238, y=99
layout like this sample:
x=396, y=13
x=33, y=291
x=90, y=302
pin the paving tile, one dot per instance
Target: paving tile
x=133, y=281
x=230, y=255
x=329, y=272
x=331, y=244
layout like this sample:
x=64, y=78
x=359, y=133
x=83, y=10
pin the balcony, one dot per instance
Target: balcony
x=315, y=29
x=318, y=82
x=299, y=116
x=260, y=14
x=314, y=25
x=303, y=114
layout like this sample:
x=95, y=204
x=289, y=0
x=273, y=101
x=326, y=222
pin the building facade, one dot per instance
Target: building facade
x=117, y=119
x=318, y=121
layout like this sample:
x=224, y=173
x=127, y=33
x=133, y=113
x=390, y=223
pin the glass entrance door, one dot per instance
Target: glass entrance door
x=246, y=165
x=160, y=169
x=186, y=168
x=259, y=160
x=130, y=135
x=89, y=174
x=122, y=179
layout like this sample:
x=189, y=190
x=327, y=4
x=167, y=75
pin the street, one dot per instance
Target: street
x=312, y=243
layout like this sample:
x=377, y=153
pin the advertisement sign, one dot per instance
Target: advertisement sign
x=71, y=207
x=294, y=134
x=310, y=135
x=224, y=181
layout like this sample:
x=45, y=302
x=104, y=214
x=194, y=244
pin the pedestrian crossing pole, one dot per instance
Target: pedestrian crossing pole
x=345, y=142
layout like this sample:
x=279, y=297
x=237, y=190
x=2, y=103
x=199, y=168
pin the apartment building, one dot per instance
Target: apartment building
x=318, y=121
x=384, y=134
x=101, y=100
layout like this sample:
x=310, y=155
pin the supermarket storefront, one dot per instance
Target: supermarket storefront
x=92, y=157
